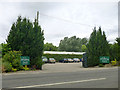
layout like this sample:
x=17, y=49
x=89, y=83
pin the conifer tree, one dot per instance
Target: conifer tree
x=28, y=38
x=96, y=47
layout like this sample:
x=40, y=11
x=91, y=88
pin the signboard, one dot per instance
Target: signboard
x=25, y=60
x=104, y=59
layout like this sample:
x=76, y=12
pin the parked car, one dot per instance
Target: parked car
x=62, y=60
x=70, y=60
x=51, y=60
x=44, y=59
x=65, y=60
x=76, y=59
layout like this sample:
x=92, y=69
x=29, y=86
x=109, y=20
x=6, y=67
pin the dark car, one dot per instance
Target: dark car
x=62, y=60
x=65, y=60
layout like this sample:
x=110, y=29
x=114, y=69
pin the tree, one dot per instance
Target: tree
x=28, y=38
x=84, y=48
x=84, y=41
x=96, y=47
x=5, y=48
x=113, y=51
x=50, y=47
x=118, y=49
x=72, y=44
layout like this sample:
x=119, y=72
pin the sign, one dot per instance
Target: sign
x=25, y=60
x=104, y=59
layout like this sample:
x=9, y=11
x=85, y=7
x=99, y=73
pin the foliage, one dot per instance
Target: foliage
x=96, y=47
x=7, y=66
x=0, y=51
x=101, y=65
x=26, y=68
x=118, y=50
x=5, y=48
x=113, y=51
x=28, y=38
x=13, y=57
x=62, y=56
x=72, y=44
x=14, y=70
x=114, y=62
x=83, y=48
x=50, y=47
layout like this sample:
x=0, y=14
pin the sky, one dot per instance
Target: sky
x=62, y=19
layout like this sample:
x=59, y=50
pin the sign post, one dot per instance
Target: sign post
x=25, y=60
x=104, y=59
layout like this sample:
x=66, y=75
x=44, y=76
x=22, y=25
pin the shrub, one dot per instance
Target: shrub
x=26, y=68
x=13, y=57
x=7, y=66
x=14, y=70
x=101, y=65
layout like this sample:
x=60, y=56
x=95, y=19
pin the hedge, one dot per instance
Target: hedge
x=62, y=56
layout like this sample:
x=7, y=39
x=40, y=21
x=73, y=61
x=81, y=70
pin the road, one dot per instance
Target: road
x=82, y=78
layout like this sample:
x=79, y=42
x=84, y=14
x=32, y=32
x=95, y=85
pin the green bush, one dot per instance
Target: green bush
x=101, y=65
x=13, y=57
x=7, y=66
x=14, y=70
x=61, y=56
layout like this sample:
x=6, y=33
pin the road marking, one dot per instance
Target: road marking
x=41, y=85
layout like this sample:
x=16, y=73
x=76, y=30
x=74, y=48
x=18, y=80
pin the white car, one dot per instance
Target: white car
x=44, y=59
x=70, y=60
x=76, y=59
x=51, y=60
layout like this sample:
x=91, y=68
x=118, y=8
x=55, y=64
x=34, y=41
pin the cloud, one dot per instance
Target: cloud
x=63, y=19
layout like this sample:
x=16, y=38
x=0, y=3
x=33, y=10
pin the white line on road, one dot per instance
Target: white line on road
x=41, y=85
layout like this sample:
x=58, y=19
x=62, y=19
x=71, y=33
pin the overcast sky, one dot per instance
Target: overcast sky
x=61, y=19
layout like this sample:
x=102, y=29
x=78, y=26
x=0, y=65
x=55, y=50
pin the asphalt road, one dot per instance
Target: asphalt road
x=82, y=78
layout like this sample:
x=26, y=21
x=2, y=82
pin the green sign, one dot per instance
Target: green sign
x=104, y=59
x=25, y=60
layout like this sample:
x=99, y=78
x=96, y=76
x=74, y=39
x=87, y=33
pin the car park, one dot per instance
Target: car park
x=44, y=59
x=70, y=60
x=76, y=59
x=51, y=60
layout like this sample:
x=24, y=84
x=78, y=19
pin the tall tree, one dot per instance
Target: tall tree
x=27, y=37
x=97, y=46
